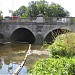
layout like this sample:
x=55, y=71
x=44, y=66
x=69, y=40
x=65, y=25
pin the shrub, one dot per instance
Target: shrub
x=54, y=66
x=64, y=45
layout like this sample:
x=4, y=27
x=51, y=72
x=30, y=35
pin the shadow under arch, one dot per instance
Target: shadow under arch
x=23, y=35
x=53, y=34
x=1, y=36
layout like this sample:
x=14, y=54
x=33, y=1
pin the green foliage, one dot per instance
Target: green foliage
x=32, y=9
x=56, y=10
x=41, y=7
x=1, y=17
x=1, y=14
x=22, y=11
x=64, y=45
x=54, y=66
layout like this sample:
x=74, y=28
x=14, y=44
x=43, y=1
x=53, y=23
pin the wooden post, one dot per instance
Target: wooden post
x=23, y=62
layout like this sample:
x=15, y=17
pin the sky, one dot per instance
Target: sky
x=6, y=5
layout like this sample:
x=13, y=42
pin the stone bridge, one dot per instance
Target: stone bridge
x=35, y=30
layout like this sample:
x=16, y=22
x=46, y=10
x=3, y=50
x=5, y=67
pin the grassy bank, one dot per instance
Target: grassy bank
x=62, y=61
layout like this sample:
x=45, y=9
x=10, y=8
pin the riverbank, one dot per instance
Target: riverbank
x=13, y=53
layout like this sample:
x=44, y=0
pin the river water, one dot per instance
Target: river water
x=12, y=54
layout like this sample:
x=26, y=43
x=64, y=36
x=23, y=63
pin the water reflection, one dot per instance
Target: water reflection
x=12, y=55
x=9, y=68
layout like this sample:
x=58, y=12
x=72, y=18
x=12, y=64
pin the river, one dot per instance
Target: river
x=12, y=54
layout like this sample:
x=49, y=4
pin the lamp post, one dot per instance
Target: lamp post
x=12, y=9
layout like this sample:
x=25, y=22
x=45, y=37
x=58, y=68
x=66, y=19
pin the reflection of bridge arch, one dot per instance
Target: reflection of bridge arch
x=50, y=37
x=23, y=35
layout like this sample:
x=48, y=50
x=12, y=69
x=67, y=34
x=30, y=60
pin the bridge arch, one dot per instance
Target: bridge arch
x=50, y=37
x=23, y=35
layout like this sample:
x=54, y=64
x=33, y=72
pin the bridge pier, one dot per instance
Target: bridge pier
x=39, y=39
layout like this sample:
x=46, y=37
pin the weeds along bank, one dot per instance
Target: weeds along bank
x=61, y=60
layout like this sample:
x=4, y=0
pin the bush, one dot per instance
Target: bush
x=54, y=66
x=64, y=45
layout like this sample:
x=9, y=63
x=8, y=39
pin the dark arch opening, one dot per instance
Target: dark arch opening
x=1, y=36
x=23, y=35
x=52, y=35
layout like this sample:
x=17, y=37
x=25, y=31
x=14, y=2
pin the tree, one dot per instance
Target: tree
x=37, y=7
x=55, y=10
x=1, y=17
x=32, y=9
x=42, y=7
x=1, y=14
x=22, y=11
